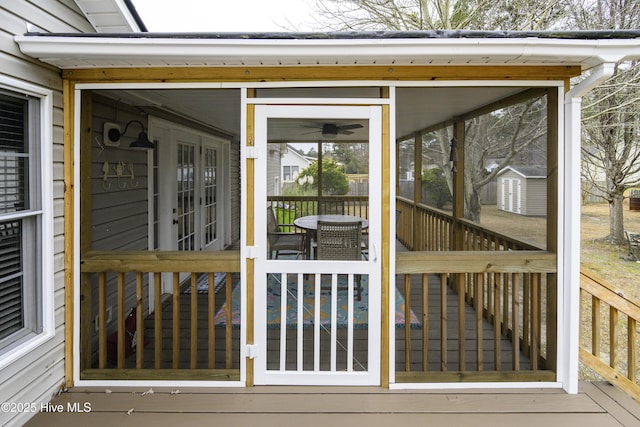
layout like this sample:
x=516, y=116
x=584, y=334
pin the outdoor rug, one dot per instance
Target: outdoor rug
x=360, y=308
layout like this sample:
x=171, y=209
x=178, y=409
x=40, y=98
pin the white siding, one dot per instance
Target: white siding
x=37, y=376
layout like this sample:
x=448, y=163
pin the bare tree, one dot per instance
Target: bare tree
x=611, y=138
x=406, y=15
x=611, y=142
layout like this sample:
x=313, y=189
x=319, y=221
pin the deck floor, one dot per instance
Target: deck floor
x=596, y=405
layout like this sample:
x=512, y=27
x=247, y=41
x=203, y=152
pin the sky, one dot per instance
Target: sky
x=224, y=15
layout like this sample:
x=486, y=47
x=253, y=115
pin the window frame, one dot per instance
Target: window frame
x=37, y=223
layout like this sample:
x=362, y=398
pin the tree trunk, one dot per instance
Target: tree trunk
x=472, y=206
x=616, y=222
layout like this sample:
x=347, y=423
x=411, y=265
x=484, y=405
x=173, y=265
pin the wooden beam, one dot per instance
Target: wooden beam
x=610, y=374
x=475, y=262
x=161, y=374
x=475, y=376
x=160, y=261
x=287, y=73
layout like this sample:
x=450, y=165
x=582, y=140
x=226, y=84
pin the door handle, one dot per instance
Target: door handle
x=375, y=252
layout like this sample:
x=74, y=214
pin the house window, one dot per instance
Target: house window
x=21, y=220
x=290, y=173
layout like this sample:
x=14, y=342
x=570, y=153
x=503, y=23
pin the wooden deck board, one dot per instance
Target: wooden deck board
x=353, y=406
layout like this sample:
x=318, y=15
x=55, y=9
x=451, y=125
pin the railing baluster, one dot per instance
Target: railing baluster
x=157, y=320
x=193, y=359
x=102, y=320
x=496, y=322
x=526, y=313
x=613, y=336
x=425, y=322
x=121, y=319
x=139, y=321
x=211, y=314
x=515, y=320
x=229, y=320
x=535, y=321
x=176, y=320
x=632, y=348
x=443, y=322
x=505, y=303
x=595, y=326
x=407, y=322
x=479, y=304
x=460, y=281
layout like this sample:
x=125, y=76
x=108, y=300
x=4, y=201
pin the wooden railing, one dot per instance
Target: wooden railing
x=508, y=291
x=292, y=207
x=609, y=333
x=118, y=284
x=424, y=228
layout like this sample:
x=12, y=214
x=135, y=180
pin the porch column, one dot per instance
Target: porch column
x=569, y=256
x=418, y=238
x=457, y=243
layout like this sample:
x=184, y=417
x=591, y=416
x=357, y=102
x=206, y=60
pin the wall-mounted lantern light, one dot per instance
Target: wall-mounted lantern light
x=141, y=143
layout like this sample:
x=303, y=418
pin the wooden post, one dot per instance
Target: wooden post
x=552, y=226
x=250, y=236
x=418, y=232
x=458, y=186
x=385, y=339
x=69, y=292
x=86, y=307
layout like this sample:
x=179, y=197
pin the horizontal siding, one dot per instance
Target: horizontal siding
x=37, y=376
x=537, y=197
x=54, y=16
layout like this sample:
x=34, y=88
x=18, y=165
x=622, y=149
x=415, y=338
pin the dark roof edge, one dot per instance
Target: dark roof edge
x=136, y=16
x=436, y=34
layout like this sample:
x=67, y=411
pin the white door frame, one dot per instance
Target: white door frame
x=370, y=267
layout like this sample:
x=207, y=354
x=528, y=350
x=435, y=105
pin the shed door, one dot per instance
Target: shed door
x=317, y=294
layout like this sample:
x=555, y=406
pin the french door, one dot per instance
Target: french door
x=317, y=316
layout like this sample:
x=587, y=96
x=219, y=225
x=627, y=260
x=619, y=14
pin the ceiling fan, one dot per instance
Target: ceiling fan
x=332, y=130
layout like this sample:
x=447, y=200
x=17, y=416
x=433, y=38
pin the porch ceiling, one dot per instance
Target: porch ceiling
x=417, y=107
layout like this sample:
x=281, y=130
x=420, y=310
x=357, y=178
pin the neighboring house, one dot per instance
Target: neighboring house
x=523, y=190
x=98, y=235
x=293, y=162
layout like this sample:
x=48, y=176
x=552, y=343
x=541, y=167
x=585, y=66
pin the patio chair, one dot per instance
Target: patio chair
x=341, y=241
x=633, y=242
x=282, y=241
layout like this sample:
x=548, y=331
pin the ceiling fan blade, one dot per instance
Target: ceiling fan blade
x=345, y=132
x=351, y=126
